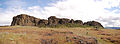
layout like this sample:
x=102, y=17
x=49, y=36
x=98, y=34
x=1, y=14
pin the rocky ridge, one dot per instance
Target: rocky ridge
x=26, y=20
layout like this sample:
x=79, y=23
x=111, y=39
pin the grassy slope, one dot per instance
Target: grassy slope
x=32, y=35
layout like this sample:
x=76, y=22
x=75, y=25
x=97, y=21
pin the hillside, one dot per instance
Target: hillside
x=35, y=35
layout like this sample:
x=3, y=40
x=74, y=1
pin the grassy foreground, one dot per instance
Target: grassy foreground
x=35, y=35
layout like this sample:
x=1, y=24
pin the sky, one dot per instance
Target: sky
x=107, y=12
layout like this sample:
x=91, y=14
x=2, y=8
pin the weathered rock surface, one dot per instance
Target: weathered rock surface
x=53, y=20
x=26, y=20
x=71, y=21
x=93, y=23
x=78, y=22
x=42, y=22
x=64, y=21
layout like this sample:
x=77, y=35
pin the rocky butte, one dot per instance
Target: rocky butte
x=26, y=20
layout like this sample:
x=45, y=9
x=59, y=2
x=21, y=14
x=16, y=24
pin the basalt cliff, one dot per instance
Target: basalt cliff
x=26, y=20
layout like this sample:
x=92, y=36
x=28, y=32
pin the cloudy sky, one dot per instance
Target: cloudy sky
x=107, y=12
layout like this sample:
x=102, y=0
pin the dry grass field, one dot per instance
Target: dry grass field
x=35, y=35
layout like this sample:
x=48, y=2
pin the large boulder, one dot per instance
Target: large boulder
x=93, y=23
x=26, y=20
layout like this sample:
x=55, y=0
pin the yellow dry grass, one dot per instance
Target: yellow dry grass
x=33, y=35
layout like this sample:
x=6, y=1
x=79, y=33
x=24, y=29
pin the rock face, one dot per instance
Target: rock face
x=26, y=20
x=71, y=21
x=42, y=22
x=64, y=21
x=93, y=23
x=53, y=20
x=78, y=22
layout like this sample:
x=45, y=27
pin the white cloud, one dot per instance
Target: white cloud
x=9, y=13
x=15, y=7
x=110, y=21
x=85, y=10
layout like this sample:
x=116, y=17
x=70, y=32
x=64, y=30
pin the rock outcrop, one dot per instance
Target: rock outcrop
x=71, y=21
x=26, y=20
x=53, y=20
x=78, y=22
x=64, y=21
x=93, y=23
x=42, y=22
